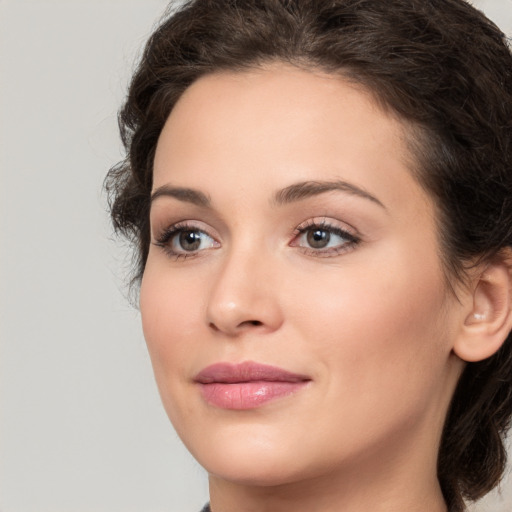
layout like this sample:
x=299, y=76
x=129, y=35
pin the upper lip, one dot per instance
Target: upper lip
x=247, y=371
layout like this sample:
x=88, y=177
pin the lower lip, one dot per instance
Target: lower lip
x=247, y=395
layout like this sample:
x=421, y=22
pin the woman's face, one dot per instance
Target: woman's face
x=293, y=300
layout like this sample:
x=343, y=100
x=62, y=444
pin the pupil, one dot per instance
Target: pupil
x=190, y=240
x=318, y=238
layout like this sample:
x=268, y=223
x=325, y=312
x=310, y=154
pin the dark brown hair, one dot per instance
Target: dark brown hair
x=439, y=65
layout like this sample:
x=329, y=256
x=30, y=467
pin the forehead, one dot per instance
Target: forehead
x=281, y=124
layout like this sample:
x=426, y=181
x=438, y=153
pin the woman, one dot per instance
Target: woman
x=320, y=194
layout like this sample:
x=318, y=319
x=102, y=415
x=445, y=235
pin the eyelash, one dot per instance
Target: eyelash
x=166, y=237
x=164, y=240
x=314, y=225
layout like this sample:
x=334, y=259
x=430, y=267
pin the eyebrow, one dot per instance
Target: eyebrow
x=188, y=195
x=290, y=194
x=305, y=189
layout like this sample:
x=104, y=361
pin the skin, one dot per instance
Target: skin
x=371, y=323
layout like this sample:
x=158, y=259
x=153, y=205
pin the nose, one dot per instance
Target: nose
x=245, y=296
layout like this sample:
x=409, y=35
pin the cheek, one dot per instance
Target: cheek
x=171, y=312
x=377, y=328
x=171, y=320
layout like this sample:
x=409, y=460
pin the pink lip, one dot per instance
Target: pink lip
x=246, y=385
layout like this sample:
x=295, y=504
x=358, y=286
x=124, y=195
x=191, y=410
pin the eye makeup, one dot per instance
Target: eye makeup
x=316, y=237
x=323, y=238
x=185, y=240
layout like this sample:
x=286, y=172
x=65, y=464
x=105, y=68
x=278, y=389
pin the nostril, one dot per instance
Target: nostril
x=250, y=323
x=241, y=325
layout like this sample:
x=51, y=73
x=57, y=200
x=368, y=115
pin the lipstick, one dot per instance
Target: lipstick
x=247, y=385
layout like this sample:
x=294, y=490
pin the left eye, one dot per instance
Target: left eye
x=323, y=237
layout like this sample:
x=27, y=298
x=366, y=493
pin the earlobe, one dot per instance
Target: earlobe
x=489, y=320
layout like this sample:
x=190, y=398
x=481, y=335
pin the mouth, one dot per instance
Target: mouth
x=247, y=385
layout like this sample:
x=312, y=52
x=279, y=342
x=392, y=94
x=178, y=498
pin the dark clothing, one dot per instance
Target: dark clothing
x=206, y=508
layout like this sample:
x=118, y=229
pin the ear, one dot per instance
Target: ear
x=488, y=319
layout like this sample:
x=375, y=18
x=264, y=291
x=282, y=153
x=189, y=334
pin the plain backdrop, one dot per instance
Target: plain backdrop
x=81, y=425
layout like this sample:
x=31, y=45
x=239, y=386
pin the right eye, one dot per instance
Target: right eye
x=191, y=241
x=183, y=241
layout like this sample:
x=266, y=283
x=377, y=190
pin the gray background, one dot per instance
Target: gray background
x=82, y=428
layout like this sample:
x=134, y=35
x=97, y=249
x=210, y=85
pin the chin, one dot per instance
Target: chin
x=251, y=456
x=254, y=470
